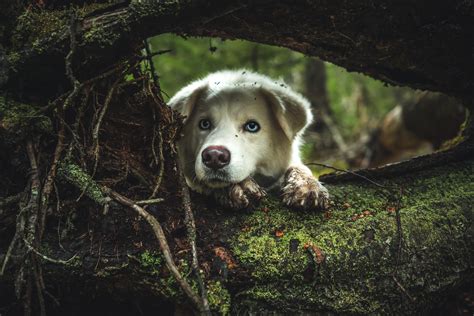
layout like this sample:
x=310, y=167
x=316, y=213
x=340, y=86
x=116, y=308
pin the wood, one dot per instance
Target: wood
x=394, y=249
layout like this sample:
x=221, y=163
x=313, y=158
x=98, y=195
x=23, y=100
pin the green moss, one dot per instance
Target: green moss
x=19, y=121
x=152, y=261
x=82, y=180
x=34, y=27
x=361, y=253
x=219, y=297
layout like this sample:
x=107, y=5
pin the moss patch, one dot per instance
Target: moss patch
x=219, y=298
x=82, y=180
x=18, y=121
x=360, y=252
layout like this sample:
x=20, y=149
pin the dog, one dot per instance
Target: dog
x=241, y=138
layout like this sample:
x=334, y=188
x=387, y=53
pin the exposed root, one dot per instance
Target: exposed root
x=191, y=228
x=95, y=131
x=165, y=250
x=46, y=258
x=161, y=163
x=49, y=183
x=68, y=61
x=74, y=158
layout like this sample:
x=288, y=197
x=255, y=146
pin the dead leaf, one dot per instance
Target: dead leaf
x=222, y=253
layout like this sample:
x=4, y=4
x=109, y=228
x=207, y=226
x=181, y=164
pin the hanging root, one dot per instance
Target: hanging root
x=164, y=247
x=191, y=228
x=126, y=124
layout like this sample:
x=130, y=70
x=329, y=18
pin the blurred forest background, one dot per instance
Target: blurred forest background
x=360, y=122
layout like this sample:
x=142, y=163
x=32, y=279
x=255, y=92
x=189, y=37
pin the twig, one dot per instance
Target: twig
x=68, y=61
x=345, y=171
x=334, y=131
x=161, y=159
x=32, y=205
x=151, y=201
x=158, y=52
x=149, y=58
x=161, y=164
x=32, y=212
x=46, y=258
x=20, y=226
x=165, y=250
x=227, y=12
x=403, y=289
x=48, y=186
x=95, y=132
x=191, y=228
x=36, y=268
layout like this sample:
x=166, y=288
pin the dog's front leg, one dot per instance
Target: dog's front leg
x=240, y=195
x=301, y=190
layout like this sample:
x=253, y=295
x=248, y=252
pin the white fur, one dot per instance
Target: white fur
x=229, y=99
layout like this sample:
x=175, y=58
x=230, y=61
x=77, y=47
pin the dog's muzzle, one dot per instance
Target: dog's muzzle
x=215, y=157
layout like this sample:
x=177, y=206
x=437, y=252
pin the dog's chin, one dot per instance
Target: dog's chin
x=218, y=180
x=216, y=184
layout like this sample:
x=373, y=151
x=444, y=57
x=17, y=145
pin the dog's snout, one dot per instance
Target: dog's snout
x=216, y=157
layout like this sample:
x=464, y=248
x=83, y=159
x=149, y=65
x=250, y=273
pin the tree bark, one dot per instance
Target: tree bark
x=396, y=240
x=362, y=36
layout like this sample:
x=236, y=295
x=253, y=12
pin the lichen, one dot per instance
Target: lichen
x=75, y=175
x=37, y=26
x=19, y=120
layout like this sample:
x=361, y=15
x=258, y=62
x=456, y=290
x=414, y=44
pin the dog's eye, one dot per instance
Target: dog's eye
x=204, y=124
x=252, y=127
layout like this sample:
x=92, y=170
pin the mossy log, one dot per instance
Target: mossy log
x=424, y=45
x=397, y=241
x=393, y=250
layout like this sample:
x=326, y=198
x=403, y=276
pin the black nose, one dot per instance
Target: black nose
x=216, y=157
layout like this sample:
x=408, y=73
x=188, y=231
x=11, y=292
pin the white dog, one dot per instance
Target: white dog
x=241, y=136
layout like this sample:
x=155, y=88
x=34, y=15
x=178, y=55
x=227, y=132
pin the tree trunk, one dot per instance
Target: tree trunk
x=424, y=124
x=396, y=240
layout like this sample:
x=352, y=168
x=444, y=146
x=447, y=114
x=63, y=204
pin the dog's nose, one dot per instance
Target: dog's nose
x=216, y=157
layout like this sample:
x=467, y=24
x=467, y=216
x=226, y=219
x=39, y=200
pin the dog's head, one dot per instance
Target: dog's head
x=238, y=124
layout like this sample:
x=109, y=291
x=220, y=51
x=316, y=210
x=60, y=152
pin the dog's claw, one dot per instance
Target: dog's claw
x=241, y=195
x=303, y=191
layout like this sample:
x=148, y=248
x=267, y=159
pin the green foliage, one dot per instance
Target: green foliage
x=357, y=102
x=152, y=261
x=195, y=57
x=219, y=297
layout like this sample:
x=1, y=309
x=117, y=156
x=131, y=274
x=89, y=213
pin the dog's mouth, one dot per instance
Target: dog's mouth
x=217, y=179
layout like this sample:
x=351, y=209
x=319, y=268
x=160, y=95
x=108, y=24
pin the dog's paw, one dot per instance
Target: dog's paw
x=241, y=195
x=301, y=190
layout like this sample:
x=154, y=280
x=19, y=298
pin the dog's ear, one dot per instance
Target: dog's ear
x=291, y=109
x=185, y=99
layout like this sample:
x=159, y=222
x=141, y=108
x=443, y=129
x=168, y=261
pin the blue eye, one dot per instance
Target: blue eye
x=205, y=124
x=252, y=127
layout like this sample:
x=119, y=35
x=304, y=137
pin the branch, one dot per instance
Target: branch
x=111, y=35
x=165, y=250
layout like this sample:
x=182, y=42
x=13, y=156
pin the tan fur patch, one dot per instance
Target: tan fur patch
x=301, y=190
x=240, y=195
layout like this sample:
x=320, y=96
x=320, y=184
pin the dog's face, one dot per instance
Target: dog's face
x=232, y=132
x=230, y=136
